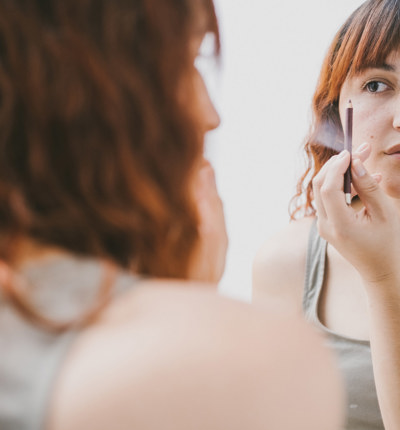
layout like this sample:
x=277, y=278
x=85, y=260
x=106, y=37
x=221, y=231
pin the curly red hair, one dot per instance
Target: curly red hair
x=369, y=35
x=96, y=149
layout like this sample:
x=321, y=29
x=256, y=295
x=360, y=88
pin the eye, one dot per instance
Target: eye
x=376, y=87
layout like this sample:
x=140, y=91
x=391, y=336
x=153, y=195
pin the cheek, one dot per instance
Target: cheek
x=367, y=126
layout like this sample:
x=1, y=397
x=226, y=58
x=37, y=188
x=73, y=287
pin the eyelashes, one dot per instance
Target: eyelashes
x=376, y=87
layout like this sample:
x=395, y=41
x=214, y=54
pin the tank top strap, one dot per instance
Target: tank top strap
x=315, y=269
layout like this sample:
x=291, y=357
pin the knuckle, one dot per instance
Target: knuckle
x=371, y=186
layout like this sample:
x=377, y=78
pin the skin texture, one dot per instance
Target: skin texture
x=375, y=94
x=174, y=355
x=209, y=257
x=361, y=295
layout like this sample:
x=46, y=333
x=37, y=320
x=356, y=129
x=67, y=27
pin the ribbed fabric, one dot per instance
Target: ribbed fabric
x=354, y=356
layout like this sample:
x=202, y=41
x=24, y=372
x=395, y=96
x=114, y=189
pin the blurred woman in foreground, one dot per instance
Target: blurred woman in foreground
x=111, y=233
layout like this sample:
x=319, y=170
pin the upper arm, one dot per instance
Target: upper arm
x=279, y=266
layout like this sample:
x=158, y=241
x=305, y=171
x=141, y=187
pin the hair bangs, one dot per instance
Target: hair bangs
x=379, y=37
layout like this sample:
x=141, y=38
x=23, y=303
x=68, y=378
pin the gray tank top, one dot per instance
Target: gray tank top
x=354, y=356
x=30, y=358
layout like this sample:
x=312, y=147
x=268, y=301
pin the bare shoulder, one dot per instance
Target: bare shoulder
x=177, y=356
x=279, y=266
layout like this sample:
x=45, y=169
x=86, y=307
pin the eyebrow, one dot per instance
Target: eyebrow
x=385, y=66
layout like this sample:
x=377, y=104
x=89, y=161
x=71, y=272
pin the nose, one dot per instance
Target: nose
x=208, y=115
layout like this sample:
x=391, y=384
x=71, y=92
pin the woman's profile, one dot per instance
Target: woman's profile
x=112, y=236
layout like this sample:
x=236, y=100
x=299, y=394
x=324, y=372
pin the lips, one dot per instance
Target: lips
x=393, y=150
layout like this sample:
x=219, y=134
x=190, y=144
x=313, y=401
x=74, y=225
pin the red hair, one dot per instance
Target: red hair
x=96, y=147
x=369, y=35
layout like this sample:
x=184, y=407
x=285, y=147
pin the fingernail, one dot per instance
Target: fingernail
x=342, y=154
x=362, y=148
x=359, y=168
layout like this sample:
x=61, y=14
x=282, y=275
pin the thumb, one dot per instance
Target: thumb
x=367, y=187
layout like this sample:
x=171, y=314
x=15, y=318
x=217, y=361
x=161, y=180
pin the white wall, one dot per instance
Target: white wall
x=271, y=55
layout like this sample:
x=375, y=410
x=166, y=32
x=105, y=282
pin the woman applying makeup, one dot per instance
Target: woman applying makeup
x=340, y=264
x=112, y=236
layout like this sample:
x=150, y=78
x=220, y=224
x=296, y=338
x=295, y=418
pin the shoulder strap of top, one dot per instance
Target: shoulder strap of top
x=315, y=270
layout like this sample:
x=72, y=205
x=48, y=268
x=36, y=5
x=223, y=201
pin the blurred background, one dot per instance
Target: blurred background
x=272, y=51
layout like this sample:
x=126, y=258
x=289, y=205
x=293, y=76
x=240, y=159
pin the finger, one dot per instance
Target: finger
x=368, y=188
x=325, y=167
x=332, y=190
x=319, y=205
x=376, y=176
x=318, y=182
x=353, y=191
x=362, y=152
x=339, y=165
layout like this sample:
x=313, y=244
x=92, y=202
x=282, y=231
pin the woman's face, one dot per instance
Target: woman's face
x=375, y=94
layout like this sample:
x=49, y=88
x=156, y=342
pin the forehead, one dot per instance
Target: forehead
x=371, y=36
